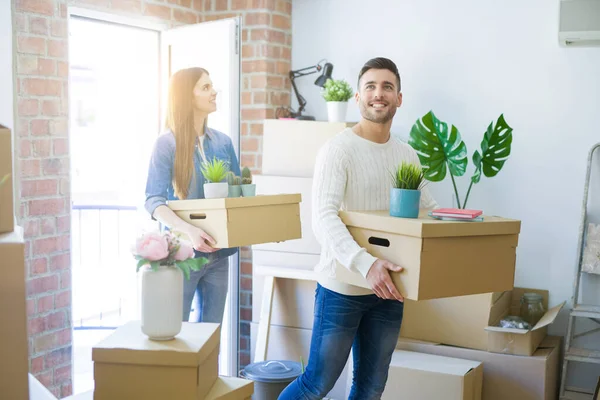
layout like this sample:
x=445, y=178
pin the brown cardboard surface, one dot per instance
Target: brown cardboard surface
x=290, y=344
x=89, y=395
x=427, y=227
x=37, y=391
x=283, y=139
x=271, y=185
x=186, y=366
x=506, y=376
x=244, y=221
x=469, y=321
x=230, y=388
x=14, y=359
x=293, y=302
x=440, y=258
x=421, y=376
x=7, y=213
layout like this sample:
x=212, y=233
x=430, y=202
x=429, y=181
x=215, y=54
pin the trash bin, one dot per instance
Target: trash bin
x=271, y=377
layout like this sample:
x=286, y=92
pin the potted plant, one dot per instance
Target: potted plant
x=337, y=93
x=441, y=148
x=248, y=188
x=164, y=259
x=405, y=196
x=235, y=182
x=215, y=172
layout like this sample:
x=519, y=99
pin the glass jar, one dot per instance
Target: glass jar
x=532, y=308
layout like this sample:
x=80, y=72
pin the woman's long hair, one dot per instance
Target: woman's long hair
x=180, y=120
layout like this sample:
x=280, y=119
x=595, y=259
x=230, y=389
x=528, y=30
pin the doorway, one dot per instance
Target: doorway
x=117, y=89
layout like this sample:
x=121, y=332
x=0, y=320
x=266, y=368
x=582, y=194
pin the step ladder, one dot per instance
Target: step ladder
x=581, y=311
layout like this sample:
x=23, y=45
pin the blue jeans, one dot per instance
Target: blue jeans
x=209, y=285
x=366, y=324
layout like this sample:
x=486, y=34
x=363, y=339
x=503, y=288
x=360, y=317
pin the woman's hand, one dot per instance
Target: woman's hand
x=201, y=240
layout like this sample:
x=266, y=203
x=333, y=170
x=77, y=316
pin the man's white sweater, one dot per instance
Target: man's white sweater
x=353, y=173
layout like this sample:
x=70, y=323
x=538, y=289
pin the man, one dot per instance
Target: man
x=352, y=172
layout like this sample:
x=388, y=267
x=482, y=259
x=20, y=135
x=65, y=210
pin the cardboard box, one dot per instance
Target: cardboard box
x=37, y=391
x=420, y=376
x=244, y=221
x=291, y=344
x=230, y=388
x=293, y=301
x=272, y=185
x=470, y=321
x=128, y=365
x=440, y=258
x=7, y=211
x=14, y=352
x=224, y=388
x=506, y=376
x=282, y=140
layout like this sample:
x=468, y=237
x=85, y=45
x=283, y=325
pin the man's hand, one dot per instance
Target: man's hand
x=201, y=240
x=381, y=282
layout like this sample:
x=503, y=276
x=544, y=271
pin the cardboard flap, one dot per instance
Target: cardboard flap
x=128, y=345
x=427, y=227
x=549, y=317
x=234, y=202
x=432, y=363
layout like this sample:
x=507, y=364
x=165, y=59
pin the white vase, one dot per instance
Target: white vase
x=336, y=111
x=217, y=190
x=162, y=302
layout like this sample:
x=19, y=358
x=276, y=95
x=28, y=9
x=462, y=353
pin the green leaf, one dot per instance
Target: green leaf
x=185, y=268
x=438, y=146
x=154, y=265
x=140, y=264
x=495, y=149
x=196, y=264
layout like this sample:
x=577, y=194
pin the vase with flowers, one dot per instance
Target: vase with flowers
x=165, y=260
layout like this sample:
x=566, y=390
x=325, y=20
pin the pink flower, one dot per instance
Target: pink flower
x=185, y=251
x=152, y=246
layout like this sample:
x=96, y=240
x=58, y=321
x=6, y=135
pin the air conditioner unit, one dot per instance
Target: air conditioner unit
x=579, y=23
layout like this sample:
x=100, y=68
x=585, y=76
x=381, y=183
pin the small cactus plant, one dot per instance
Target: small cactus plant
x=230, y=177
x=246, y=176
x=237, y=181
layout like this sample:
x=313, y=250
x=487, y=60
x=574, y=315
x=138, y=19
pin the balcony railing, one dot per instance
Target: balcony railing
x=106, y=287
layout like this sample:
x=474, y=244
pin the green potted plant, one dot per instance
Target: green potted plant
x=214, y=173
x=337, y=93
x=441, y=149
x=405, y=196
x=248, y=188
x=235, y=182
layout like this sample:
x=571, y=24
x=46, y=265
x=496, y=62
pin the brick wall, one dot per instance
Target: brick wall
x=42, y=146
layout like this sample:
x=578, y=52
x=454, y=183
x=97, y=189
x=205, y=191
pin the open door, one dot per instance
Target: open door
x=214, y=46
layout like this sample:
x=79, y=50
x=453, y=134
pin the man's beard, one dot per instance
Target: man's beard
x=370, y=114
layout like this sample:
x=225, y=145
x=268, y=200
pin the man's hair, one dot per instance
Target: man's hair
x=380, y=63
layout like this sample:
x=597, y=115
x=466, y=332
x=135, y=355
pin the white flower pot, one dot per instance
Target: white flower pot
x=218, y=190
x=162, y=302
x=336, y=111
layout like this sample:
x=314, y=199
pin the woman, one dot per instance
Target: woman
x=175, y=173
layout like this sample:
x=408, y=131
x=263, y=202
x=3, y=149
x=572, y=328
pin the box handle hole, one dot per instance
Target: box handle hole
x=379, y=241
x=197, y=216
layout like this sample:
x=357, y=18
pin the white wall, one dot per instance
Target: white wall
x=6, y=72
x=470, y=61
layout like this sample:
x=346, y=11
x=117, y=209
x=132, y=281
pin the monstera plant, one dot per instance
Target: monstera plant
x=441, y=150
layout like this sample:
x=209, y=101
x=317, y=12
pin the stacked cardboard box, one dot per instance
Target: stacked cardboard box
x=128, y=365
x=14, y=359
